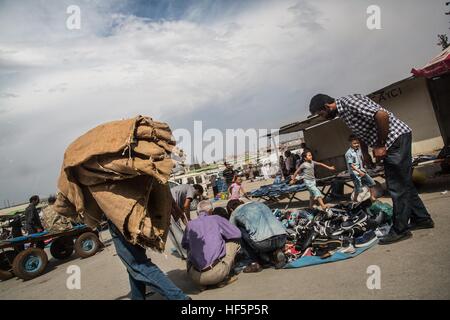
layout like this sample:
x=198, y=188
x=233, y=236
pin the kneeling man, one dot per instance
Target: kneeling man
x=212, y=243
x=263, y=235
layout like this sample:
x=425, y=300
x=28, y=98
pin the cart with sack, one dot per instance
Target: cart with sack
x=31, y=262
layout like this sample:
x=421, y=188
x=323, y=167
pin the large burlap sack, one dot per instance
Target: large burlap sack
x=121, y=169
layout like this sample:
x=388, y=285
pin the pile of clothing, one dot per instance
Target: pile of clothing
x=277, y=189
x=343, y=228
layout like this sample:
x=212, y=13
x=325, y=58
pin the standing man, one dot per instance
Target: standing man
x=32, y=220
x=213, y=181
x=142, y=271
x=183, y=196
x=390, y=139
x=289, y=162
x=228, y=174
x=251, y=175
x=181, y=211
x=283, y=169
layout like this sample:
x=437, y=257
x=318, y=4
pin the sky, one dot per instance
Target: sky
x=230, y=64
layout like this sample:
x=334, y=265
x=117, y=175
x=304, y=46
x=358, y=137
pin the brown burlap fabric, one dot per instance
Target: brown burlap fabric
x=121, y=169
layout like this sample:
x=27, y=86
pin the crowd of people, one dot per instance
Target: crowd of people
x=249, y=233
x=213, y=242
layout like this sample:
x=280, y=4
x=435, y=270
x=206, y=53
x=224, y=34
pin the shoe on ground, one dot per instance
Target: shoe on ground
x=366, y=239
x=349, y=249
x=394, y=237
x=253, y=267
x=307, y=253
x=279, y=259
x=424, y=224
x=355, y=221
x=327, y=255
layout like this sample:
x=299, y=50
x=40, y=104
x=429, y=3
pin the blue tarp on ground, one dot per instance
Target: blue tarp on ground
x=313, y=260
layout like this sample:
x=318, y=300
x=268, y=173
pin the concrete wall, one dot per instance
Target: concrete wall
x=328, y=142
x=409, y=100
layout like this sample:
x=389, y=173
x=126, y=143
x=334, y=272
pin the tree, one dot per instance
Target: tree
x=443, y=39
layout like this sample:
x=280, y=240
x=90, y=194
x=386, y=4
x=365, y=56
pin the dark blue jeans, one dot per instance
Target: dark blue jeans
x=260, y=251
x=398, y=171
x=141, y=271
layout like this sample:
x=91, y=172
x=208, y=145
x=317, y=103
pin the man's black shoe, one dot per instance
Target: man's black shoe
x=393, y=237
x=424, y=224
x=279, y=259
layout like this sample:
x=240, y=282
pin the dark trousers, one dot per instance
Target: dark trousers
x=398, y=171
x=215, y=191
x=141, y=271
x=260, y=251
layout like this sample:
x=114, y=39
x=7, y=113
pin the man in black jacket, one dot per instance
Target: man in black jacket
x=228, y=174
x=32, y=220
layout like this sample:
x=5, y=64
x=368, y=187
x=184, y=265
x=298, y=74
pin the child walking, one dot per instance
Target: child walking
x=236, y=189
x=355, y=166
x=307, y=170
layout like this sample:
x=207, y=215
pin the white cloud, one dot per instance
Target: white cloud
x=255, y=67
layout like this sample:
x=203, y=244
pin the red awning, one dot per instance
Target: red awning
x=438, y=66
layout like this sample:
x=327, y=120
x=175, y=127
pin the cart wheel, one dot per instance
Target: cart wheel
x=62, y=248
x=87, y=245
x=30, y=263
x=6, y=260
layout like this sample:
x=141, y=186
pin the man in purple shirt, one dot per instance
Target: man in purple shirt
x=212, y=243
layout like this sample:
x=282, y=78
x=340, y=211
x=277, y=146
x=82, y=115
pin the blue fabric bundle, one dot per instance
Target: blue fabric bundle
x=276, y=190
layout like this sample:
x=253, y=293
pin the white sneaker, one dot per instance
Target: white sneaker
x=350, y=249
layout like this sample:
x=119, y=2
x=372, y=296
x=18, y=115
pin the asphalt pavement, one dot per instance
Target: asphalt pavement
x=418, y=268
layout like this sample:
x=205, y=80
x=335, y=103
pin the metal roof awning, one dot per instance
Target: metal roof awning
x=316, y=120
x=438, y=66
x=302, y=125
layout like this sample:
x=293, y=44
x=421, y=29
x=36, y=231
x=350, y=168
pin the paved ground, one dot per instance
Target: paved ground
x=418, y=268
